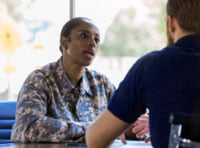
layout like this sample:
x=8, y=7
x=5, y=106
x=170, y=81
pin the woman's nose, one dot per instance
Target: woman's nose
x=92, y=42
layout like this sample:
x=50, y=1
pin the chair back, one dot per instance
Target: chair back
x=7, y=119
x=185, y=130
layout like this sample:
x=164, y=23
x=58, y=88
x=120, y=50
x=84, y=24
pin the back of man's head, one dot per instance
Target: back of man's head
x=186, y=12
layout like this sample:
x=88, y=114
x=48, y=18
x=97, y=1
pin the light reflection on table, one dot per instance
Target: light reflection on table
x=131, y=144
x=116, y=144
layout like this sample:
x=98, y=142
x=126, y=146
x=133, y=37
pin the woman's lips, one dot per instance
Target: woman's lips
x=89, y=54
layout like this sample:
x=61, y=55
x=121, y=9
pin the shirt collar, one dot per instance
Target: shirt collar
x=66, y=84
x=191, y=42
x=86, y=82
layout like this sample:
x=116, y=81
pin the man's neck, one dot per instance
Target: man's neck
x=179, y=32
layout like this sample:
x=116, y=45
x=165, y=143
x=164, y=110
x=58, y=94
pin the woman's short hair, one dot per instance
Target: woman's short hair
x=70, y=25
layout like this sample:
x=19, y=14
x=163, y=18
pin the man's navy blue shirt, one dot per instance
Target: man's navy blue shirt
x=163, y=81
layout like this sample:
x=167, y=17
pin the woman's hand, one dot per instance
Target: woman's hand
x=141, y=127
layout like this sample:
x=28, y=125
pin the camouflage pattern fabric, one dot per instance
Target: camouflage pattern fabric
x=51, y=109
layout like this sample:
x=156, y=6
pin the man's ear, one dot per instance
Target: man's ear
x=64, y=42
x=171, y=24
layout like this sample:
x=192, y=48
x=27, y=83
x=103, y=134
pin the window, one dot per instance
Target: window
x=29, y=38
x=129, y=29
x=29, y=35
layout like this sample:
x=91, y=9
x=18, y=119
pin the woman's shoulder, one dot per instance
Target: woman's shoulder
x=95, y=73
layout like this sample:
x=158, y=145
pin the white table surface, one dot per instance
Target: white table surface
x=131, y=144
x=116, y=144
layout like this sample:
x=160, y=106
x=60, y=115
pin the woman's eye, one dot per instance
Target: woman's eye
x=84, y=35
x=97, y=40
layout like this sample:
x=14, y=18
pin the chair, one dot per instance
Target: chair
x=185, y=131
x=7, y=119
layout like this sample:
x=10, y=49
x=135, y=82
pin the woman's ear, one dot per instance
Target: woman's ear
x=64, y=42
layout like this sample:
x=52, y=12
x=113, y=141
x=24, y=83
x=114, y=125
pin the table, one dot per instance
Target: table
x=42, y=145
x=116, y=144
x=131, y=144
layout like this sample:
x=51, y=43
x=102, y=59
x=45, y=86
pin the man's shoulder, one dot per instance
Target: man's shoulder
x=156, y=55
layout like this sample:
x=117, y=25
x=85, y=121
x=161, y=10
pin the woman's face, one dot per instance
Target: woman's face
x=83, y=44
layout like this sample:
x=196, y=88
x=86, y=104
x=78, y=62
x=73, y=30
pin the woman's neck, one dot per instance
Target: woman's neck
x=73, y=71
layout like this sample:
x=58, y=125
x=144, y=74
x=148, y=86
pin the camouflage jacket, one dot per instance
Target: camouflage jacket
x=51, y=109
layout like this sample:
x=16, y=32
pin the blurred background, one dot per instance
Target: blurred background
x=30, y=29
